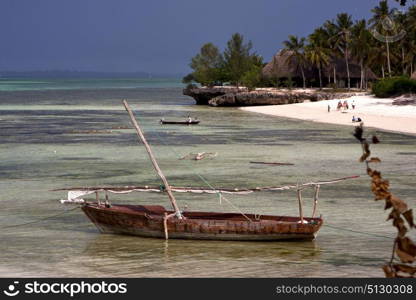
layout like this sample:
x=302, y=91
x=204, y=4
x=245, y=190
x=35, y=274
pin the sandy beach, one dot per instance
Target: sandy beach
x=374, y=112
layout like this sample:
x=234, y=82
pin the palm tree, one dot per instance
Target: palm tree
x=332, y=43
x=378, y=58
x=295, y=47
x=381, y=20
x=410, y=55
x=317, y=53
x=401, y=25
x=342, y=28
x=361, y=47
x=410, y=51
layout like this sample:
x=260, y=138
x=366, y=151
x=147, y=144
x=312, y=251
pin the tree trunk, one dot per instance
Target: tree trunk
x=382, y=71
x=303, y=76
x=320, y=77
x=403, y=63
x=388, y=57
x=329, y=77
x=348, y=68
x=366, y=77
x=335, y=74
x=362, y=74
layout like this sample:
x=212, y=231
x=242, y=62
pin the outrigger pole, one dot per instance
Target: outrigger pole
x=153, y=159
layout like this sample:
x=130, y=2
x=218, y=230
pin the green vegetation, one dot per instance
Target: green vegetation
x=236, y=65
x=394, y=86
x=207, y=66
x=252, y=78
x=239, y=61
x=341, y=49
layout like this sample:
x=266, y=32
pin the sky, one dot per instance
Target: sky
x=155, y=36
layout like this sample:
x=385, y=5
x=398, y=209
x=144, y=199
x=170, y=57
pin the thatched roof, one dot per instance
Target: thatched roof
x=283, y=65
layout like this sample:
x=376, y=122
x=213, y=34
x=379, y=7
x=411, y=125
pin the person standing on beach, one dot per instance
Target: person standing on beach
x=345, y=105
x=353, y=104
x=329, y=108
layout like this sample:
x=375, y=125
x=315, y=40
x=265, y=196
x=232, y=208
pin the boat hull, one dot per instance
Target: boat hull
x=148, y=221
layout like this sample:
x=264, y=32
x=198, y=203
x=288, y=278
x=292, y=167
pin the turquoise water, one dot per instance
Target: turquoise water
x=42, y=147
x=12, y=84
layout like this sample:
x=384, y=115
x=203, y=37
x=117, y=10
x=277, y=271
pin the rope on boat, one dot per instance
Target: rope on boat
x=42, y=219
x=359, y=232
x=220, y=195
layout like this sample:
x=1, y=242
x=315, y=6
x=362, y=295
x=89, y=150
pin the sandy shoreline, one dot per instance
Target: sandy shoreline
x=374, y=112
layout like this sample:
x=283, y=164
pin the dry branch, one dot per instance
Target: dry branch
x=403, y=248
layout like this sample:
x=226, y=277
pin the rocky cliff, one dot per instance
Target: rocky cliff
x=203, y=95
x=232, y=96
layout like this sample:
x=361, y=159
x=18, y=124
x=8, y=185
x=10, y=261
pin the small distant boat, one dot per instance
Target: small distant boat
x=186, y=122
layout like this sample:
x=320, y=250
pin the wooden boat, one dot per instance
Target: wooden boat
x=152, y=221
x=155, y=221
x=186, y=122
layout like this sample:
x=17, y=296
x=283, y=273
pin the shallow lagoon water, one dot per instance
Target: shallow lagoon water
x=40, y=150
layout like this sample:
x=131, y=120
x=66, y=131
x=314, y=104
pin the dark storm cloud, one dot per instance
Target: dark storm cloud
x=154, y=36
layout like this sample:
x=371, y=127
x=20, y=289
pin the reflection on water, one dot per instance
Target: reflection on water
x=153, y=257
x=105, y=247
x=42, y=147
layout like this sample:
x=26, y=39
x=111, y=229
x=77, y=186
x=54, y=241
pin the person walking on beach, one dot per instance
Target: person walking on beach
x=339, y=106
x=329, y=108
x=353, y=104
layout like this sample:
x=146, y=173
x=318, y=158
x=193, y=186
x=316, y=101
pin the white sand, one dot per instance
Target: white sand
x=374, y=112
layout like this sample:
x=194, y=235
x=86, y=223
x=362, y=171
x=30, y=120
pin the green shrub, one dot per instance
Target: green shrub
x=270, y=81
x=289, y=83
x=394, y=86
x=252, y=79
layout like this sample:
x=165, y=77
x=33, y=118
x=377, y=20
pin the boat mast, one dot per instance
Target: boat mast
x=153, y=159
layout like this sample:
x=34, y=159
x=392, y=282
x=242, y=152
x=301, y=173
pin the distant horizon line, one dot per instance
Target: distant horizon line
x=77, y=73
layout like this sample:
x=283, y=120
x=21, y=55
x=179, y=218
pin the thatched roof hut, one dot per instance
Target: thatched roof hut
x=341, y=69
x=283, y=65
